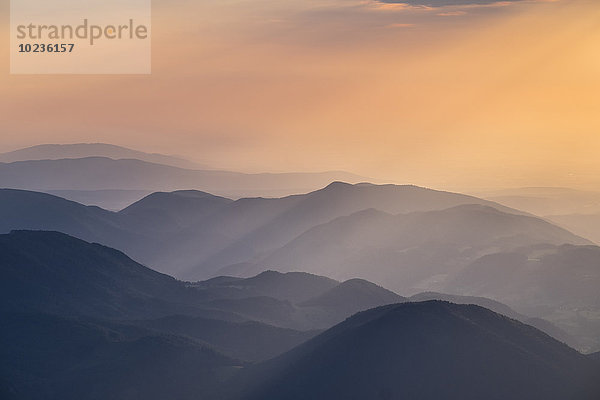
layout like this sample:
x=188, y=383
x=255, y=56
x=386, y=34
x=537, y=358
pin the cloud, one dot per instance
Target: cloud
x=452, y=14
x=393, y=26
x=445, y=3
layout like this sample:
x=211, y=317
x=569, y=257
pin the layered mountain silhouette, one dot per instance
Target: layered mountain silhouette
x=295, y=287
x=109, y=199
x=54, y=273
x=202, y=238
x=274, y=222
x=353, y=295
x=184, y=208
x=405, y=238
x=83, y=150
x=428, y=350
x=504, y=274
x=313, y=302
x=409, y=251
x=104, y=173
x=84, y=321
x=501, y=308
x=20, y=209
x=552, y=282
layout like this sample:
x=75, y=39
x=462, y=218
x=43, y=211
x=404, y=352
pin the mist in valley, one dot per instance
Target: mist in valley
x=226, y=298
x=324, y=199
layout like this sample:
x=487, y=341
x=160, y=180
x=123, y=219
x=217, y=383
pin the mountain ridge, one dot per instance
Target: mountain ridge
x=103, y=173
x=82, y=150
x=383, y=353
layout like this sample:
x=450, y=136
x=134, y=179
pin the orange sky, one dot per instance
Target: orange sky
x=456, y=97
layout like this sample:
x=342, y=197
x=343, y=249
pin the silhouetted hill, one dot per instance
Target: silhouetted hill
x=20, y=209
x=26, y=210
x=109, y=199
x=83, y=150
x=430, y=350
x=55, y=273
x=48, y=357
x=141, y=235
x=184, y=208
x=352, y=296
x=490, y=304
x=500, y=308
x=293, y=286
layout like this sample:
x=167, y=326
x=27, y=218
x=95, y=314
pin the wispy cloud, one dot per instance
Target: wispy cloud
x=441, y=3
x=457, y=13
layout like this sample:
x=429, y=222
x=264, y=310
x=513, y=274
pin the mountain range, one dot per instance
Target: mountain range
x=107, y=175
x=122, y=281
x=412, y=251
x=84, y=321
x=53, y=273
x=84, y=150
x=413, y=240
x=193, y=234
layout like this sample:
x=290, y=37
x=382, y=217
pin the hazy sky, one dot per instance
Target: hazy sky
x=486, y=94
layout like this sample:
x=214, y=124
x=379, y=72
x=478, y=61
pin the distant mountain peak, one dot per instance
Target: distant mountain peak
x=85, y=150
x=354, y=295
x=269, y=273
x=428, y=350
x=192, y=193
x=337, y=185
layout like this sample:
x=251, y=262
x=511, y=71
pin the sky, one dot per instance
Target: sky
x=476, y=94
